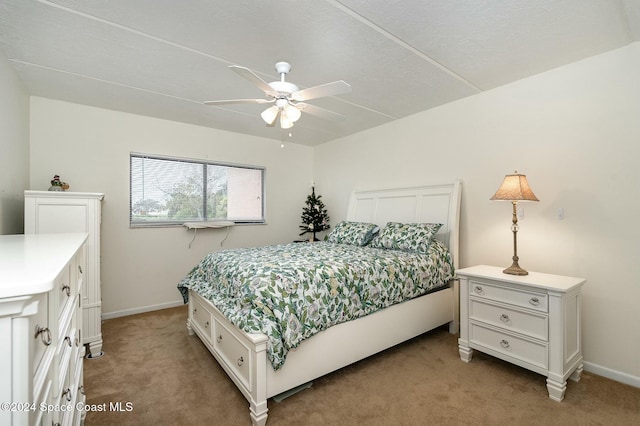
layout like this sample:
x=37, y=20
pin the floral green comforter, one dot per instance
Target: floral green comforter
x=290, y=292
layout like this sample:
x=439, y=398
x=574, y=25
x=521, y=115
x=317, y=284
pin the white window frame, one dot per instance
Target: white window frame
x=204, y=163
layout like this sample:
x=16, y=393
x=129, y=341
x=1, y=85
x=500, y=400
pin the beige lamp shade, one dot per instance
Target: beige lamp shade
x=514, y=188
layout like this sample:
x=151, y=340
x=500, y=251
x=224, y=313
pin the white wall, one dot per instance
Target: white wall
x=14, y=149
x=89, y=148
x=575, y=133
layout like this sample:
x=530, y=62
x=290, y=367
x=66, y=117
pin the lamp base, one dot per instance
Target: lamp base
x=515, y=269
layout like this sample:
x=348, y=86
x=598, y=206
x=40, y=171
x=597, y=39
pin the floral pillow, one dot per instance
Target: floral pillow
x=354, y=233
x=406, y=236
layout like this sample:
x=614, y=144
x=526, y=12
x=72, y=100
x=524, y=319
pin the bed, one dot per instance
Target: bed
x=260, y=368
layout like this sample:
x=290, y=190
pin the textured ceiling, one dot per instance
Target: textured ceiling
x=163, y=58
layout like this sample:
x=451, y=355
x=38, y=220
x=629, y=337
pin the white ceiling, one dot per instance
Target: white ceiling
x=163, y=58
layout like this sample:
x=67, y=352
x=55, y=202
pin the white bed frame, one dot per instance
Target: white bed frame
x=243, y=356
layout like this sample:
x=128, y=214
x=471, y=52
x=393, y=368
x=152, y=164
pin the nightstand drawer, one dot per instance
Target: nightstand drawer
x=529, y=351
x=528, y=323
x=514, y=296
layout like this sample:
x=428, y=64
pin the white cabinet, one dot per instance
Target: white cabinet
x=62, y=212
x=532, y=321
x=41, y=289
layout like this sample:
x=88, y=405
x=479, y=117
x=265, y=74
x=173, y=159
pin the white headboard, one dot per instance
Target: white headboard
x=423, y=204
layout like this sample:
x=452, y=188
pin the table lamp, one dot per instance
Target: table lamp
x=515, y=188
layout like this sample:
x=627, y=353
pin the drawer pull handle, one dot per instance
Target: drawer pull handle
x=219, y=339
x=206, y=324
x=504, y=343
x=534, y=301
x=67, y=392
x=504, y=318
x=44, y=333
x=68, y=340
x=67, y=290
x=195, y=310
x=81, y=389
x=80, y=269
x=478, y=290
x=240, y=361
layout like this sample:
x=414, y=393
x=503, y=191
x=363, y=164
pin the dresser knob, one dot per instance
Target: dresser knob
x=534, y=301
x=478, y=290
x=206, y=325
x=44, y=333
x=219, y=338
x=240, y=361
x=68, y=340
x=504, y=343
x=67, y=290
x=67, y=392
x=79, y=268
x=504, y=318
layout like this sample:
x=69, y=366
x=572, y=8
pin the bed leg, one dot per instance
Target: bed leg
x=189, y=328
x=258, y=416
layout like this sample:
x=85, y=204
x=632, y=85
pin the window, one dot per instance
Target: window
x=170, y=191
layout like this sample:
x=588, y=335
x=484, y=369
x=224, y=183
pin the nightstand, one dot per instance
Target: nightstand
x=532, y=321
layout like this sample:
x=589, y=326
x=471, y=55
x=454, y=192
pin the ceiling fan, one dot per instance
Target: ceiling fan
x=287, y=99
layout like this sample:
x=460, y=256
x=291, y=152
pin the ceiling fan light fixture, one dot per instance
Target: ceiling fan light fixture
x=269, y=115
x=285, y=122
x=286, y=98
x=292, y=112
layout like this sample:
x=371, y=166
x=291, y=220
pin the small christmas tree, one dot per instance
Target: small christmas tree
x=314, y=215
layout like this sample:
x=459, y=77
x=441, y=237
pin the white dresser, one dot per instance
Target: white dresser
x=66, y=211
x=41, y=355
x=532, y=321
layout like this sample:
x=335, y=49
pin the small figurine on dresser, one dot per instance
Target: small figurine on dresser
x=58, y=185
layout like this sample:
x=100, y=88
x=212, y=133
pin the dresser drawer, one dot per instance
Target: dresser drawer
x=43, y=417
x=514, y=296
x=42, y=333
x=64, y=358
x=201, y=318
x=235, y=353
x=78, y=348
x=80, y=267
x=64, y=396
x=529, y=351
x=529, y=323
x=64, y=289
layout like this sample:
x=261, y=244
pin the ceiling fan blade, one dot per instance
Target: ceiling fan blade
x=319, y=112
x=240, y=101
x=249, y=75
x=329, y=89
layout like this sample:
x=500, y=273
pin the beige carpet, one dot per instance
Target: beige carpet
x=169, y=378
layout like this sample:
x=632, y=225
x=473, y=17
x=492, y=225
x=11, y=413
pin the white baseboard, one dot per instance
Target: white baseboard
x=612, y=374
x=127, y=312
